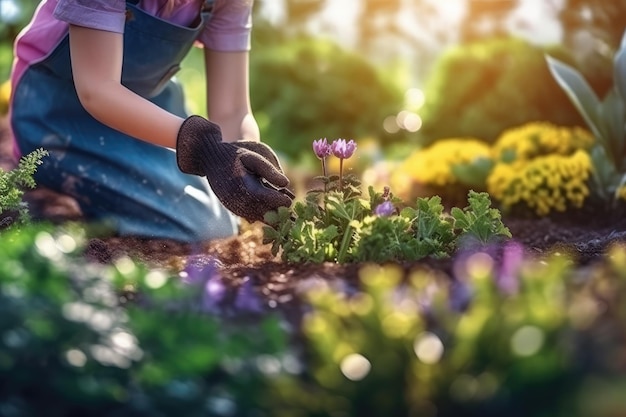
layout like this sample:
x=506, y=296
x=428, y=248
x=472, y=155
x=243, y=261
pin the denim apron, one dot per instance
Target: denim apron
x=130, y=185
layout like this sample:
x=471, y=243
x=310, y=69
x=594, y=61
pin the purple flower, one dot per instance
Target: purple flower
x=321, y=148
x=459, y=296
x=199, y=270
x=213, y=294
x=512, y=259
x=204, y=274
x=247, y=299
x=385, y=209
x=342, y=149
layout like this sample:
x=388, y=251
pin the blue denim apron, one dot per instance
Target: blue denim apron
x=131, y=185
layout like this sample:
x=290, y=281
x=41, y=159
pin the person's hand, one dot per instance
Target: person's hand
x=266, y=152
x=244, y=180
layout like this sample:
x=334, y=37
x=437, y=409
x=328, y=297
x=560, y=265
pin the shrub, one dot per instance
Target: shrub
x=303, y=84
x=82, y=339
x=480, y=89
x=506, y=334
x=522, y=143
x=538, y=166
x=544, y=184
x=541, y=167
x=12, y=184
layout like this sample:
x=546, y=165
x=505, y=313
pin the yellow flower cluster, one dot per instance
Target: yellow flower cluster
x=541, y=138
x=5, y=93
x=538, y=165
x=433, y=165
x=544, y=184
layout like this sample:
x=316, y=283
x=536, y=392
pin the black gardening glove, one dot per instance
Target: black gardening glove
x=266, y=152
x=245, y=182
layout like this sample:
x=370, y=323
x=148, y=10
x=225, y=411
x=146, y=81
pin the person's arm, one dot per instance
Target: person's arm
x=228, y=94
x=97, y=70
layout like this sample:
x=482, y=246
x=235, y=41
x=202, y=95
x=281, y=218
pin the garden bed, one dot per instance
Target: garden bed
x=583, y=235
x=359, y=340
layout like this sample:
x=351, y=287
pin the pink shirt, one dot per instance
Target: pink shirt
x=228, y=30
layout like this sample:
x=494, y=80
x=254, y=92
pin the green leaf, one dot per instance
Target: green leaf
x=604, y=175
x=612, y=110
x=271, y=218
x=474, y=173
x=579, y=92
x=619, y=69
x=479, y=220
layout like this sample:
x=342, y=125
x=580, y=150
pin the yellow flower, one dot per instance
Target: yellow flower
x=545, y=183
x=5, y=94
x=541, y=138
x=433, y=165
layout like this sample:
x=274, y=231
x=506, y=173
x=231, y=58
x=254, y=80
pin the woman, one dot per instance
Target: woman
x=92, y=84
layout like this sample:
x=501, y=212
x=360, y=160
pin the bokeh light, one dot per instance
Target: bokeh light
x=527, y=340
x=428, y=348
x=355, y=367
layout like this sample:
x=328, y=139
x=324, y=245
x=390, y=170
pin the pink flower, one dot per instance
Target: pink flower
x=342, y=149
x=321, y=148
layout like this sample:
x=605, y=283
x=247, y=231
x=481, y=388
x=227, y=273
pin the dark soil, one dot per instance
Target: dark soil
x=583, y=235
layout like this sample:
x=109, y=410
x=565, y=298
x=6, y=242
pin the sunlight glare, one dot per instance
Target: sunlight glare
x=9, y=11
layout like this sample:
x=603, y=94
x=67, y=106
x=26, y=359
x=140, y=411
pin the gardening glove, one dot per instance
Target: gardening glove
x=247, y=184
x=266, y=152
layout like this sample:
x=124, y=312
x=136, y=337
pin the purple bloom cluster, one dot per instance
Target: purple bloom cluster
x=385, y=209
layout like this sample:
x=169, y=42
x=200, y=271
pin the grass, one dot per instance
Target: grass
x=6, y=59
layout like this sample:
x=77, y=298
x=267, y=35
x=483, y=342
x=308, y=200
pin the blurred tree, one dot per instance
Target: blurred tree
x=300, y=11
x=14, y=14
x=482, y=88
x=592, y=31
x=486, y=18
x=375, y=18
x=411, y=31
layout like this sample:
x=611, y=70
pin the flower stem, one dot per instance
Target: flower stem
x=341, y=174
x=324, y=173
x=343, y=249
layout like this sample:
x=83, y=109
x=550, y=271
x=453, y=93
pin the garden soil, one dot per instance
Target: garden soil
x=583, y=235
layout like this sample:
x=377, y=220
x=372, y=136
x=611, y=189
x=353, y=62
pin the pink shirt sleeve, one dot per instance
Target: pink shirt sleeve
x=230, y=27
x=228, y=30
x=109, y=15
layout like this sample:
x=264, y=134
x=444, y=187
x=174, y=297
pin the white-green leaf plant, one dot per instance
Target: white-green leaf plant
x=605, y=117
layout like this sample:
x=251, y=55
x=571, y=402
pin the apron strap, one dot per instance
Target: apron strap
x=207, y=6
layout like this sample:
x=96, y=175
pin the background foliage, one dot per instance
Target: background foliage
x=483, y=88
x=304, y=88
